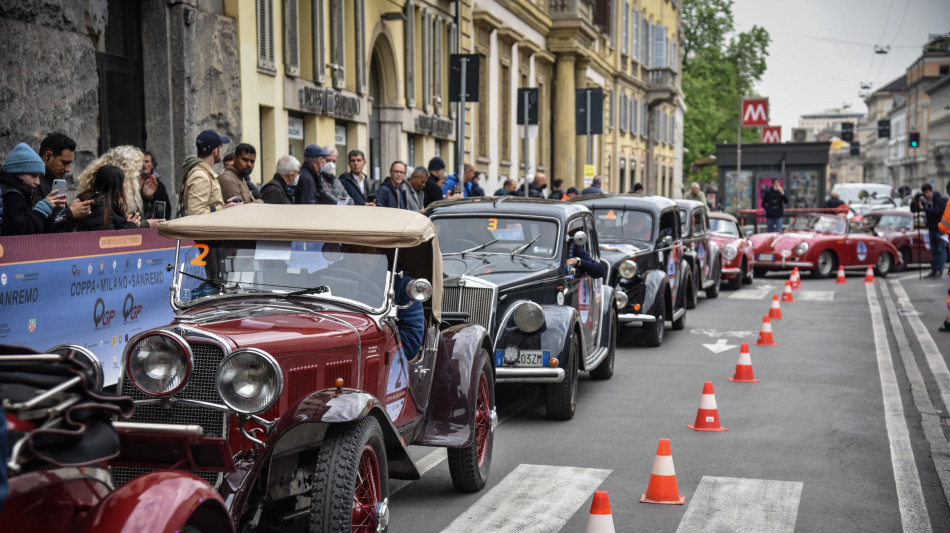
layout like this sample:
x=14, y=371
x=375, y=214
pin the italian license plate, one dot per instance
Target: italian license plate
x=766, y=257
x=531, y=358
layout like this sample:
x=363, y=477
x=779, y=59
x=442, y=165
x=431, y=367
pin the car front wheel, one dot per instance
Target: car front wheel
x=713, y=290
x=654, y=331
x=469, y=466
x=561, y=398
x=351, y=492
x=735, y=283
x=825, y=266
x=884, y=264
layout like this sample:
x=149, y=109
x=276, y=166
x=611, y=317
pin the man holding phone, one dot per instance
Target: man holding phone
x=57, y=151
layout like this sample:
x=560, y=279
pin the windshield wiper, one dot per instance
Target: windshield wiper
x=219, y=282
x=525, y=247
x=479, y=247
x=319, y=289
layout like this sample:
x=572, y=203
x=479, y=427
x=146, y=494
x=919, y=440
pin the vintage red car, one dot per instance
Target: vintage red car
x=738, y=257
x=820, y=244
x=61, y=438
x=292, y=339
x=898, y=228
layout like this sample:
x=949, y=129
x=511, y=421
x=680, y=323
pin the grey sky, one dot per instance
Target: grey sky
x=814, y=63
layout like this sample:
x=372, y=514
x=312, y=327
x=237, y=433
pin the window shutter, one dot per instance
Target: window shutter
x=625, y=33
x=644, y=117
x=359, y=13
x=410, y=54
x=319, y=52
x=633, y=116
x=426, y=61
x=338, y=51
x=453, y=48
x=659, y=46
x=602, y=15
x=672, y=129
x=291, y=42
x=636, y=33
x=623, y=112
x=613, y=110
x=265, y=35
x=437, y=60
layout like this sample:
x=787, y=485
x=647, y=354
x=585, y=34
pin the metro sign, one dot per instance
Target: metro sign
x=755, y=112
x=772, y=134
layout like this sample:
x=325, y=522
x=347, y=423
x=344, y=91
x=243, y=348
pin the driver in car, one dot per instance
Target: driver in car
x=636, y=227
x=579, y=258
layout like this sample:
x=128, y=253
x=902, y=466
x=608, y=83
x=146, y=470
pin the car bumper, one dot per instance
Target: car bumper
x=730, y=272
x=626, y=318
x=781, y=265
x=507, y=374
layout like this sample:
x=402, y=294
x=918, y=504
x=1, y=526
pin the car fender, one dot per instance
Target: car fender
x=450, y=420
x=655, y=283
x=608, y=298
x=554, y=336
x=166, y=500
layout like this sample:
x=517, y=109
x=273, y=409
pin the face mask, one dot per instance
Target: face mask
x=329, y=168
x=296, y=179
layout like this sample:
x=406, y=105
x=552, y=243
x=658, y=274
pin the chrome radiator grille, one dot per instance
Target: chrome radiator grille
x=201, y=386
x=478, y=302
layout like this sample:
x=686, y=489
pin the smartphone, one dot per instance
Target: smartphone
x=159, y=210
x=60, y=185
x=370, y=198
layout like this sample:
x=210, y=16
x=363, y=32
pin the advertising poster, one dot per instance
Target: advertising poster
x=95, y=289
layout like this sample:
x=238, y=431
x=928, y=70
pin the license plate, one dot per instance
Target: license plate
x=766, y=257
x=525, y=358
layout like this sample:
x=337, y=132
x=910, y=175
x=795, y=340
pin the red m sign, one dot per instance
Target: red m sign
x=772, y=134
x=755, y=112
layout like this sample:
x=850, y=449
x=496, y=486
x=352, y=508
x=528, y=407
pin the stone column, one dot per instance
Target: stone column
x=392, y=142
x=580, y=141
x=565, y=156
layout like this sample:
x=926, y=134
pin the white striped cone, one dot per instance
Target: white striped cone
x=765, y=334
x=707, y=417
x=796, y=279
x=663, y=487
x=600, y=520
x=775, y=310
x=787, y=295
x=744, y=366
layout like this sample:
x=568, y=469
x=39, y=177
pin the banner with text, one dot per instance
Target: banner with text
x=95, y=289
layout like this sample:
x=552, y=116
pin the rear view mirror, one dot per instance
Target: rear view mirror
x=666, y=242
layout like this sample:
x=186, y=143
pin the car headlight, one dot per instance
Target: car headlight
x=620, y=299
x=730, y=251
x=90, y=362
x=249, y=381
x=529, y=317
x=801, y=248
x=627, y=269
x=159, y=363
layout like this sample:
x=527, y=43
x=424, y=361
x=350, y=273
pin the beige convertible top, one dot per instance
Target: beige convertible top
x=382, y=227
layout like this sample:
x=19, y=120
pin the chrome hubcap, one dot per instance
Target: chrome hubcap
x=382, y=515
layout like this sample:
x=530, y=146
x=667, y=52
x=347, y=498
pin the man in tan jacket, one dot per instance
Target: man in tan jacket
x=201, y=192
x=232, y=180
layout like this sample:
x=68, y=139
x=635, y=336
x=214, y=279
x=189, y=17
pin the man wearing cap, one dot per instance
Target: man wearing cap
x=200, y=191
x=309, y=186
x=432, y=191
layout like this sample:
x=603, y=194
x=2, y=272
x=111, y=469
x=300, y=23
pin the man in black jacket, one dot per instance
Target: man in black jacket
x=280, y=190
x=309, y=186
x=773, y=202
x=432, y=190
x=358, y=185
x=152, y=189
x=57, y=151
x=932, y=204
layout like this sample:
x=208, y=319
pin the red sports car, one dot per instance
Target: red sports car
x=738, y=257
x=897, y=227
x=820, y=244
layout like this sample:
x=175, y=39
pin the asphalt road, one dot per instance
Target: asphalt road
x=833, y=437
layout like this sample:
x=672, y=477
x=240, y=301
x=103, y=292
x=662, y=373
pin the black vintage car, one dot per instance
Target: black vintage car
x=702, y=253
x=504, y=264
x=640, y=237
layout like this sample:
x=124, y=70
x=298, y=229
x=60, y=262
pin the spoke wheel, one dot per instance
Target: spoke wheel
x=352, y=488
x=469, y=466
x=561, y=398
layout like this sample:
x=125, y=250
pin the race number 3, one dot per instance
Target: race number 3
x=200, y=260
x=492, y=224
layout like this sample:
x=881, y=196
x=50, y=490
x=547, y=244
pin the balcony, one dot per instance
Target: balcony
x=662, y=86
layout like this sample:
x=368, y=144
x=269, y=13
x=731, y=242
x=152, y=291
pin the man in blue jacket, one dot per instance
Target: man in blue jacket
x=932, y=204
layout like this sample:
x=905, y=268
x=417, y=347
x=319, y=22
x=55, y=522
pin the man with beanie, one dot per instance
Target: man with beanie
x=432, y=192
x=200, y=191
x=23, y=210
x=333, y=188
x=309, y=187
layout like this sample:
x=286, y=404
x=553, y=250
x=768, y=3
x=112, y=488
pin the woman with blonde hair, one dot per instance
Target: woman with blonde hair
x=129, y=160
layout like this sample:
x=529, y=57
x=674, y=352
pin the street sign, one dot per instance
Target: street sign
x=772, y=134
x=847, y=131
x=755, y=112
x=884, y=129
x=470, y=62
x=596, y=98
x=531, y=97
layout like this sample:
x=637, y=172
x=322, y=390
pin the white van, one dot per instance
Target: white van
x=864, y=193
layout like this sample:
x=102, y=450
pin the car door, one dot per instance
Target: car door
x=580, y=289
x=670, y=260
x=596, y=287
x=701, y=235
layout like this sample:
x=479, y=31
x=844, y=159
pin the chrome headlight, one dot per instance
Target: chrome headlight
x=729, y=251
x=159, y=363
x=529, y=317
x=249, y=381
x=801, y=248
x=94, y=379
x=627, y=269
x=620, y=299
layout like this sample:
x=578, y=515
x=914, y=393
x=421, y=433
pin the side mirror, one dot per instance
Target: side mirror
x=579, y=238
x=419, y=290
x=666, y=242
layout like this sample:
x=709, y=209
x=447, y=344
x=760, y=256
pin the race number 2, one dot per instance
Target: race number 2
x=200, y=260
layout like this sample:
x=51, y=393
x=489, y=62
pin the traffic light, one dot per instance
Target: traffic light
x=855, y=148
x=884, y=129
x=914, y=139
x=847, y=131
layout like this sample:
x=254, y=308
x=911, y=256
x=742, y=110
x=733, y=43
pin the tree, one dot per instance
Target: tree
x=720, y=66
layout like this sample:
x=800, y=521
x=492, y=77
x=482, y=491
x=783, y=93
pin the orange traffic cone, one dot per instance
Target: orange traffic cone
x=765, y=334
x=775, y=311
x=787, y=295
x=600, y=520
x=744, y=366
x=707, y=418
x=796, y=279
x=869, y=276
x=841, y=279
x=662, y=487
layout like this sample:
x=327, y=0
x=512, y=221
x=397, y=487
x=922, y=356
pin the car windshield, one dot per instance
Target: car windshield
x=684, y=221
x=623, y=224
x=894, y=221
x=319, y=269
x=500, y=235
x=724, y=227
x=822, y=223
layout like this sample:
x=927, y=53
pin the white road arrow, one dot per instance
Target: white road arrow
x=720, y=346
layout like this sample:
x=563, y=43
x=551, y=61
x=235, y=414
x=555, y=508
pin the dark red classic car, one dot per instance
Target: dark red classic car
x=738, y=257
x=292, y=340
x=821, y=243
x=897, y=227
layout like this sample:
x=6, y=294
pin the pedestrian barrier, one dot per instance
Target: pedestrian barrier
x=787, y=296
x=775, y=311
x=744, y=366
x=600, y=520
x=869, y=276
x=796, y=279
x=841, y=278
x=662, y=487
x=707, y=417
x=765, y=334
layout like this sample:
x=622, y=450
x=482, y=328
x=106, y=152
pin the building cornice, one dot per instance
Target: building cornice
x=528, y=13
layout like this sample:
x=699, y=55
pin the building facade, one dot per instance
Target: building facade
x=874, y=148
x=939, y=129
x=918, y=163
